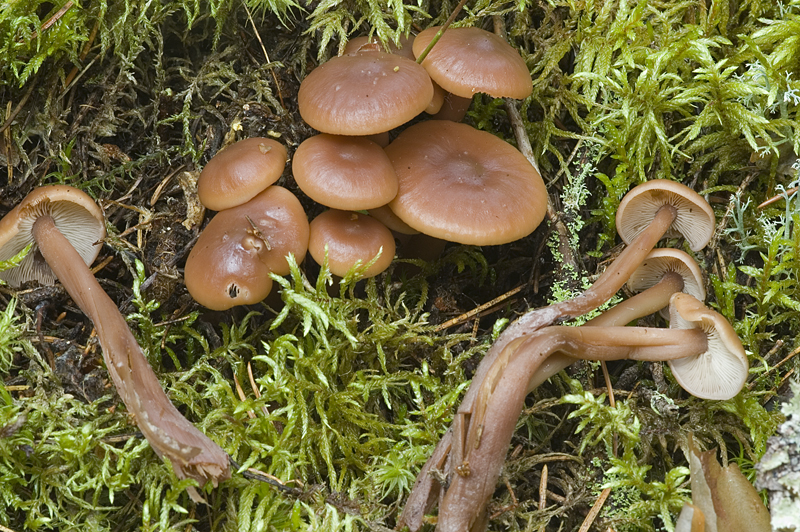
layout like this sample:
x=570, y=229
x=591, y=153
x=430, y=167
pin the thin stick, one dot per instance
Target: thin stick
x=477, y=310
x=598, y=505
x=266, y=55
x=10, y=117
x=8, y=147
x=242, y=397
x=775, y=367
x=439, y=33
x=543, y=496
x=777, y=198
x=611, y=401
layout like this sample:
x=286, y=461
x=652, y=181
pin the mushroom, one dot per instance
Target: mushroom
x=237, y=173
x=477, y=458
x=75, y=214
x=346, y=173
x=364, y=93
x=350, y=238
x=488, y=424
x=667, y=202
x=463, y=185
x=469, y=60
x=663, y=273
x=231, y=261
x=362, y=44
x=719, y=372
x=647, y=213
x=41, y=218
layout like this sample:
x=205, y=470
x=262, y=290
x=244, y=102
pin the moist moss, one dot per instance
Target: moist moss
x=128, y=101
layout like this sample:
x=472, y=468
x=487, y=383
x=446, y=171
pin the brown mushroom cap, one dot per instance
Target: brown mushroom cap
x=694, y=221
x=350, y=238
x=240, y=246
x=720, y=372
x=348, y=173
x=464, y=185
x=470, y=60
x=364, y=93
x=237, y=173
x=76, y=216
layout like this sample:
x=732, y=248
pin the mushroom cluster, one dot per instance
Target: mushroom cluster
x=438, y=177
x=704, y=353
x=444, y=179
x=258, y=225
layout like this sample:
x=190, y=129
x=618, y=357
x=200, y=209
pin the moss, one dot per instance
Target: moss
x=128, y=100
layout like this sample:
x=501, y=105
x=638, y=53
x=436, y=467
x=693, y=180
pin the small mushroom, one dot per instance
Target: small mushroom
x=652, y=211
x=720, y=371
x=74, y=213
x=237, y=173
x=350, y=238
x=663, y=273
x=48, y=217
x=346, y=173
x=364, y=93
x=231, y=261
x=469, y=60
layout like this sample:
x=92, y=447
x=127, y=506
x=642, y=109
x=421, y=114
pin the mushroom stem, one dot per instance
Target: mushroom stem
x=192, y=453
x=478, y=458
x=642, y=304
x=601, y=291
x=423, y=496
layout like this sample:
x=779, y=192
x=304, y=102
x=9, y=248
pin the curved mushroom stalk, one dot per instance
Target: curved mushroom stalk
x=192, y=453
x=488, y=427
x=642, y=304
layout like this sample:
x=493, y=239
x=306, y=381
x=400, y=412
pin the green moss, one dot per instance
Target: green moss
x=357, y=388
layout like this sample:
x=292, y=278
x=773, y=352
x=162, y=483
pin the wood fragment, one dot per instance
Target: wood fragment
x=598, y=505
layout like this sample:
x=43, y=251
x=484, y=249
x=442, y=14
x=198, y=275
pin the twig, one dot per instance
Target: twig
x=84, y=53
x=477, y=310
x=778, y=197
x=587, y=523
x=524, y=146
x=439, y=33
x=773, y=368
x=543, y=496
x=10, y=117
x=266, y=55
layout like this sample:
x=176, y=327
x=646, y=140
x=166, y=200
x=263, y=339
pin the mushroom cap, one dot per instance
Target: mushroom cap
x=695, y=218
x=364, y=93
x=720, y=372
x=664, y=260
x=464, y=185
x=230, y=263
x=469, y=60
x=350, y=238
x=348, y=173
x=76, y=216
x=237, y=173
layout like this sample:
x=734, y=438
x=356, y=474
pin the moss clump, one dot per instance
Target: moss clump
x=128, y=100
